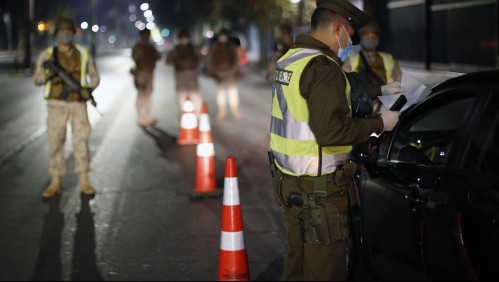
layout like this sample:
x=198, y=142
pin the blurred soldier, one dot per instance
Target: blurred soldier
x=67, y=106
x=145, y=56
x=223, y=66
x=186, y=58
x=380, y=67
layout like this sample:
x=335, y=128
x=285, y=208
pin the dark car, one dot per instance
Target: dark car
x=427, y=204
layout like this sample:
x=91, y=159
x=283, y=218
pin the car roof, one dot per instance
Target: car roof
x=481, y=77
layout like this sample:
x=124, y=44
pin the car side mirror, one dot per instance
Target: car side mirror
x=367, y=152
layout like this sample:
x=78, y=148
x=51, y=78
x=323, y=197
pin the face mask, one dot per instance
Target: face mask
x=64, y=38
x=223, y=38
x=369, y=43
x=343, y=53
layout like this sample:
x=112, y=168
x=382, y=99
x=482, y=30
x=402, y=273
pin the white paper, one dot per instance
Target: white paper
x=415, y=92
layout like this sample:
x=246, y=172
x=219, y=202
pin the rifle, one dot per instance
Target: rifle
x=69, y=82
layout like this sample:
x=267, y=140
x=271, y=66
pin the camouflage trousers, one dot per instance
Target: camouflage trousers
x=144, y=83
x=59, y=114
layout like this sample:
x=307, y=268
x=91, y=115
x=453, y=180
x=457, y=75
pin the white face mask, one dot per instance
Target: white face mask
x=223, y=38
x=64, y=37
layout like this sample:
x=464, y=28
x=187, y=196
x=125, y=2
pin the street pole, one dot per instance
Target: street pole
x=28, y=34
x=93, y=44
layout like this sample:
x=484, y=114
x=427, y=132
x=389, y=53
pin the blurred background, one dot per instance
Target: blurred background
x=451, y=35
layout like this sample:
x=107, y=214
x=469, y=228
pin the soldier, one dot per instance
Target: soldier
x=223, y=66
x=145, y=56
x=186, y=58
x=67, y=106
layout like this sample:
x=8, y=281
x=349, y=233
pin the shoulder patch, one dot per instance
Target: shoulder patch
x=282, y=76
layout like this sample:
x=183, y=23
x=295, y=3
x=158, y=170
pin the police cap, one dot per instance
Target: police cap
x=356, y=17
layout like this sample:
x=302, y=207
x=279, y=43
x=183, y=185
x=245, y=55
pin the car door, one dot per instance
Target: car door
x=411, y=161
x=461, y=240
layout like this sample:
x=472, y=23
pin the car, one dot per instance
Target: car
x=426, y=201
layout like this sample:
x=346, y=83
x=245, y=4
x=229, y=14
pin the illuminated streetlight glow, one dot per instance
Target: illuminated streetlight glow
x=103, y=28
x=150, y=26
x=150, y=19
x=133, y=17
x=41, y=26
x=144, y=6
x=95, y=28
x=165, y=32
x=295, y=1
x=147, y=13
x=84, y=25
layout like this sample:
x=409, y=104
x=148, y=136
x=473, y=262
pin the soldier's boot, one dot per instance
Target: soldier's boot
x=85, y=187
x=235, y=112
x=54, y=188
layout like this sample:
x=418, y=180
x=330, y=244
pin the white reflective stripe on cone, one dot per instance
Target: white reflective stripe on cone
x=204, y=123
x=231, y=191
x=205, y=150
x=232, y=241
x=188, y=121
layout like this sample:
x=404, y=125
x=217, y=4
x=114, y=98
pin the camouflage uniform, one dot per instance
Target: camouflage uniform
x=186, y=60
x=72, y=109
x=145, y=56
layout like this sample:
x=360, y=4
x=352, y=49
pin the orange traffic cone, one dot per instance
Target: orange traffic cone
x=205, y=185
x=233, y=258
x=188, y=125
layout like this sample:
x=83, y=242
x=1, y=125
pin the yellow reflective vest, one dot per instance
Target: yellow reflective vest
x=388, y=63
x=291, y=140
x=84, y=55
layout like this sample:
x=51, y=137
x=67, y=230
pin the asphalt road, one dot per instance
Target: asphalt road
x=142, y=224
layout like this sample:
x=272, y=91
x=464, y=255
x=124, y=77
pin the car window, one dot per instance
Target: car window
x=427, y=138
x=483, y=152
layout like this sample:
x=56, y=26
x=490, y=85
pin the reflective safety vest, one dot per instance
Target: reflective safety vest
x=291, y=140
x=388, y=64
x=84, y=55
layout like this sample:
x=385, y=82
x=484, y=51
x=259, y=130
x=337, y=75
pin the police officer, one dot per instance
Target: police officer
x=311, y=135
x=67, y=106
x=380, y=67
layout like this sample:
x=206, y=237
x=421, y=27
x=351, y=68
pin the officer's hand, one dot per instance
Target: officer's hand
x=392, y=88
x=390, y=118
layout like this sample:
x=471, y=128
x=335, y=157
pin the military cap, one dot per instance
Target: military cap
x=356, y=17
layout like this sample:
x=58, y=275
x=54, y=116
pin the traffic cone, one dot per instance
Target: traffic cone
x=205, y=183
x=233, y=258
x=188, y=125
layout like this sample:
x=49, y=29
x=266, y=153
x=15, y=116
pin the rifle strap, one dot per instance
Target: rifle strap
x=369, y=70
x=55, y=53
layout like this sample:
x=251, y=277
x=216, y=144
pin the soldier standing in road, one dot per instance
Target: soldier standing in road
x=67, y=106
x=145, y=57
x=311, y=136
x=379, y=67
x=185, y=58
x=223, y=65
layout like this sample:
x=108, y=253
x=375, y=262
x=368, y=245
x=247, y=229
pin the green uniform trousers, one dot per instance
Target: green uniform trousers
x=311, y=261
